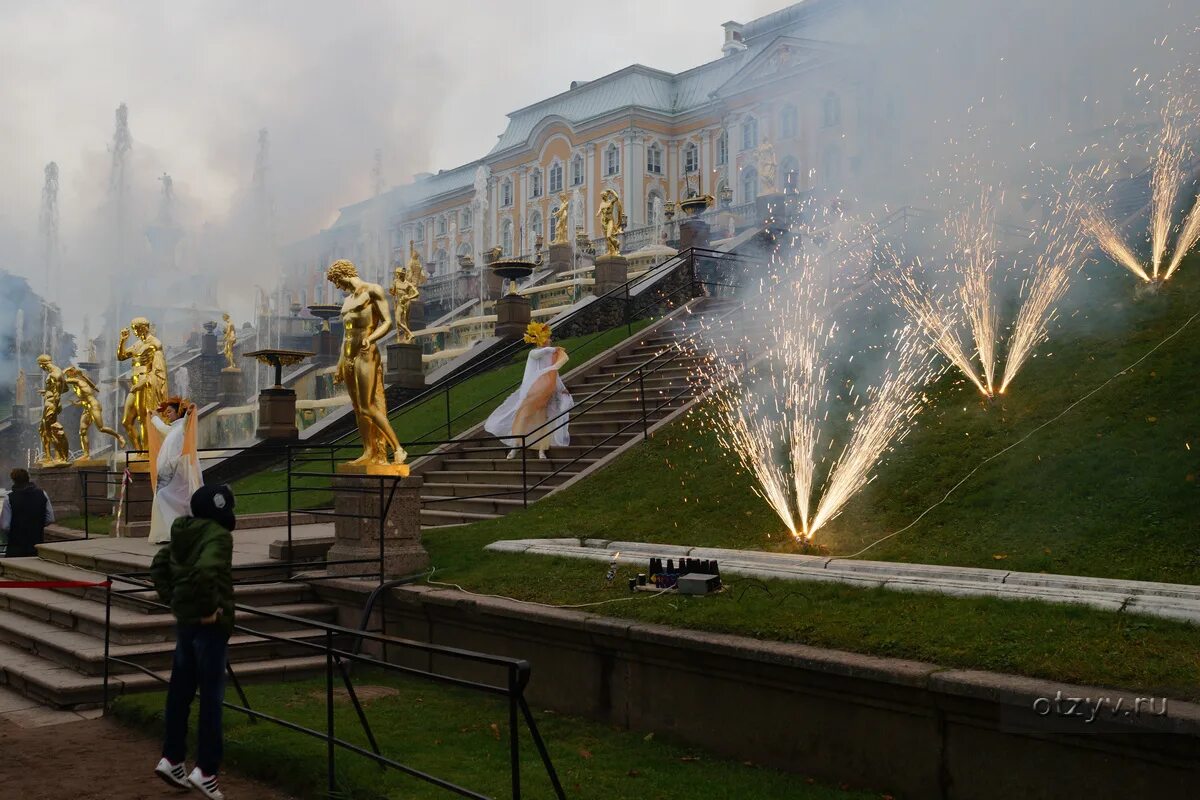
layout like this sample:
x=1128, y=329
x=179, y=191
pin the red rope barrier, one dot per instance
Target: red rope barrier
x=52, y=584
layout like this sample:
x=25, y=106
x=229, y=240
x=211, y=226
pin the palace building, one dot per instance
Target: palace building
x=784, y=102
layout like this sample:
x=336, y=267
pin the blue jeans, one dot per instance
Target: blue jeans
x=200, y=652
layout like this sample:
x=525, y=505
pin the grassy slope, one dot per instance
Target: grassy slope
x=1109, y=490
x=463, y=737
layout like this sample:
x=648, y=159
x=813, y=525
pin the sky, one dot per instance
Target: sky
x=428, y=83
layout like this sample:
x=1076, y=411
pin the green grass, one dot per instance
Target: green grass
x=424, y=422
x=98, y=523
x=463, y=737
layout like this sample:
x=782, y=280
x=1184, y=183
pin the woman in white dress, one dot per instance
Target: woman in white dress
x=174, y=466
x=542, y=398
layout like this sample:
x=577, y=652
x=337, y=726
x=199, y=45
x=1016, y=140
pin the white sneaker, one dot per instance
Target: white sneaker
x=173, y=774
x=206, y=784
x=512, y=454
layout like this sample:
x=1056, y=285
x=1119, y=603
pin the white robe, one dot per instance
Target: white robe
x=500, y=422
x=178, y=479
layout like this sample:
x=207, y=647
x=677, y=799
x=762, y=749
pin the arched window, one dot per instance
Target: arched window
x=506, y=237
x=833, y=109
x=749, y=133
x=749, y=185
x=464, y=249
x=789, y=174
x=466, y=219
x=723, y=192
x=535, y=183
x=535, y=227
x=441, y=226
x=577, y=170
x=506, y=192
x=556, y=177
x=723, y=149
x=831, y=166
x=612, y=160
x=441, y=262
x=654, y=159
x=691, y=161
x=788, y=124
x=420, y=237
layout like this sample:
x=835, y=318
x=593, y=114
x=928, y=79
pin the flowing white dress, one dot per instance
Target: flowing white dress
x=178, y=477
x=536, y=407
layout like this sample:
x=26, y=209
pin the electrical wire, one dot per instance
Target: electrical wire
x=1024, y=438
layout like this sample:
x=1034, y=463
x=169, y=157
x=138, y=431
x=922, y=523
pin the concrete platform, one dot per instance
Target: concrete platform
x=1168, y=600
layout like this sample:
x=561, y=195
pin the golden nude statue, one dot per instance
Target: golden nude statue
x=229, y=342
x=366, y=320
x=405, y=292
x=85, y=392
x=611, y=214
x=416, y=273
x=562, y=218
x=55, y=451
x=148, y=377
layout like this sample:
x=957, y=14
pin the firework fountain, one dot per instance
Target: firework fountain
x=777, y=397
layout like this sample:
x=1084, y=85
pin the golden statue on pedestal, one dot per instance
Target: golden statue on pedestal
x=612, y=221
x=55, y=451
x=148, y=377
x=93, y=413
x=768, y=168
x=366, y=321
x=405, y=292
x=416, y=273
x=562, y=218
x=229, y=342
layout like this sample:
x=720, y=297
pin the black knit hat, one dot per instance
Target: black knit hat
x=215, y=502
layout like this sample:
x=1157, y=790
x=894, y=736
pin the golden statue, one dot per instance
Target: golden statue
x=93, y=413
x=55, y=451
x=767, y=167
x=20, y=391
x=612, y=222
x=405, y=292
x=230, y=341
x=148, y=377
x=366, y=321
x=562, y=218
x=416, y=273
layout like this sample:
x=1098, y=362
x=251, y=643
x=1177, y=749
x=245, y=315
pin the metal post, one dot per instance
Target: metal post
x=449, y=435
x=513, y=740
x=291, y=556
x=628, y=313
x=329, y=747
x=107, y=628
x=524, y=474
x=83, y=480
x=383, y=512
x=642, y=395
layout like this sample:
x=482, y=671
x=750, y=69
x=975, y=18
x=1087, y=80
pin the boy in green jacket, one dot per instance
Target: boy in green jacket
x=193, y=574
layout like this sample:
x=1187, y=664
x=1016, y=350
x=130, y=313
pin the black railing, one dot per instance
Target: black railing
x=342, y=649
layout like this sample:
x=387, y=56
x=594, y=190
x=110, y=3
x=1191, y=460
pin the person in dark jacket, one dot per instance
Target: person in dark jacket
x=25, y=515
x=193, y=574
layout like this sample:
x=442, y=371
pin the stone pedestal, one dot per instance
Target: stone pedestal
x=404, y=366
x=513, y=314
x=325, y=347
x=64, y=487
x=139, y=495
x=416, y=315
x=694, y=232
x=359, y=499
x=232, y=389
x=561, y=258
x=277, y=414
x=610, y=272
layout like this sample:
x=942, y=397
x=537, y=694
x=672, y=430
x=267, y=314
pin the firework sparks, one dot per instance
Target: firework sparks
x=972, y=233
x=1100, y=229
x=937, y=320
x=1187, y=238
x=1165, y=183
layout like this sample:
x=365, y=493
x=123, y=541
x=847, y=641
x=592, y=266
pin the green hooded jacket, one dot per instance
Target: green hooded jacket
x=193, y=574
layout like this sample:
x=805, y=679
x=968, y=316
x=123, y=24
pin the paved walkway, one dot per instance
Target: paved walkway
x=1169, y=600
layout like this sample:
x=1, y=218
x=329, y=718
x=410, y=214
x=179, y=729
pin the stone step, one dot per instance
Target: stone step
x=491, y=477
x=440, y=518
x=441, y=488
x=128, y=627
x=37, y=569
x=63, y=687
x=85, y=654
x=495, y=506
x=569, y=453
x=532, y=465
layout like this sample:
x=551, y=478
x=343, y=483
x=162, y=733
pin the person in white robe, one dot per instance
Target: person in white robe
x=540, y=407
x=174, y=466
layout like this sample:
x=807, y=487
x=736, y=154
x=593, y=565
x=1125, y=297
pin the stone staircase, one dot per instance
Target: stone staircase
x=472, y=479
x=52, y=640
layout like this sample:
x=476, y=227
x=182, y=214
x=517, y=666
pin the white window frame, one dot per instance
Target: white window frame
x=691, y=158
x=506, y=193
x=577, y=176
x=749, y=133
x=556, y=170
x=535, y=182
x=612, y=160
x=723, y=149
x=654, y=159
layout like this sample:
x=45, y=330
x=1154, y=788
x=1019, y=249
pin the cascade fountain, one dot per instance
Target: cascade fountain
x=48, y=229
